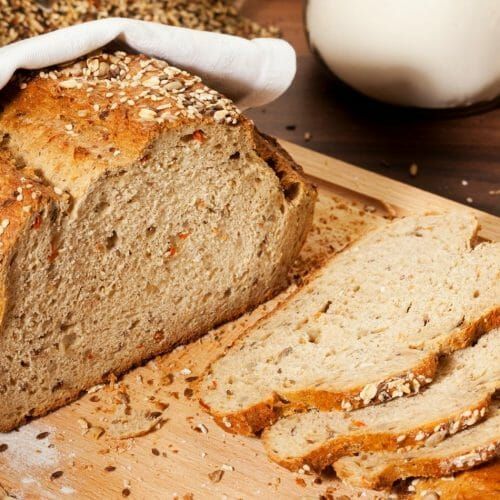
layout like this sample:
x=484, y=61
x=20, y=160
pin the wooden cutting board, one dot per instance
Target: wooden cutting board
x=72, y=453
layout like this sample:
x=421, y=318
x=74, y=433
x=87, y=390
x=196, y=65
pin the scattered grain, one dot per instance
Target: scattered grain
x=216, y=475
x=23, y=18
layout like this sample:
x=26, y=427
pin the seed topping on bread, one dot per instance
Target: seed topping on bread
x=155, y=91
x=395, y=388
x=462, y=451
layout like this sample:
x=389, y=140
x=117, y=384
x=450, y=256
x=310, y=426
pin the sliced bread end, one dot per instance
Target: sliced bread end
x=463, y=451
x=254, y=419
x=334, y=449
x=380, y=476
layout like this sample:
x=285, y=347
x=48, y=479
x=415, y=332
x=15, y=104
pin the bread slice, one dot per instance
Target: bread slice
x=368, y=325
x=462, y=451
x=138, y=209
x=481, y=483
x=457, y=399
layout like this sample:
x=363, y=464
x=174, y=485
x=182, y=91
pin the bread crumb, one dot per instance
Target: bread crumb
x=300, y=481
x=201, y=428
x=56, y=475
x=95, y=432
x=83, y=424
x=216, y=476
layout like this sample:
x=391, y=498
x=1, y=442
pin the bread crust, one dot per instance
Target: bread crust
x=15, y=220
x=45, y=121
x=431, y=467
x=36, y=118
x=482, y=483
x=254, y=419
x=341, y=446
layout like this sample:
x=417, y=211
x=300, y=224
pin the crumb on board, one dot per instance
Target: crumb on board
x=216, y=476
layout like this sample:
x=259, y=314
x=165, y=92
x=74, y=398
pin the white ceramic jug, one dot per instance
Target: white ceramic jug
x=424, y=53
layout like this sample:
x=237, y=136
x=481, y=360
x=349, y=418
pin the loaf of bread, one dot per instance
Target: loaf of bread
x=464, y=450
x=458, y=398
x=369, y=327
x=138, y=209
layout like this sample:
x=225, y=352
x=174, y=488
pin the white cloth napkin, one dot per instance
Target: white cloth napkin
x=251, y=72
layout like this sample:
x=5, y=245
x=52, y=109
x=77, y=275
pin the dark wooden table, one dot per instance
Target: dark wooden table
x=457, y=156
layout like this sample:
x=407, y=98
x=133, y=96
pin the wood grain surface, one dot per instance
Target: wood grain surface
x=448, y=149
x=74, y=452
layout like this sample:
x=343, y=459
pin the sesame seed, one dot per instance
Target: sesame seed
x=68, y=84
x=368, y=393
x=93, y=65
x=420, y=435
x=147, y=114
x=163, y=93
x=220, y=115
x=152, y=81
x=174, y=85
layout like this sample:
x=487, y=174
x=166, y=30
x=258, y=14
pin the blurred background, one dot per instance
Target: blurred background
x=455, y=154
